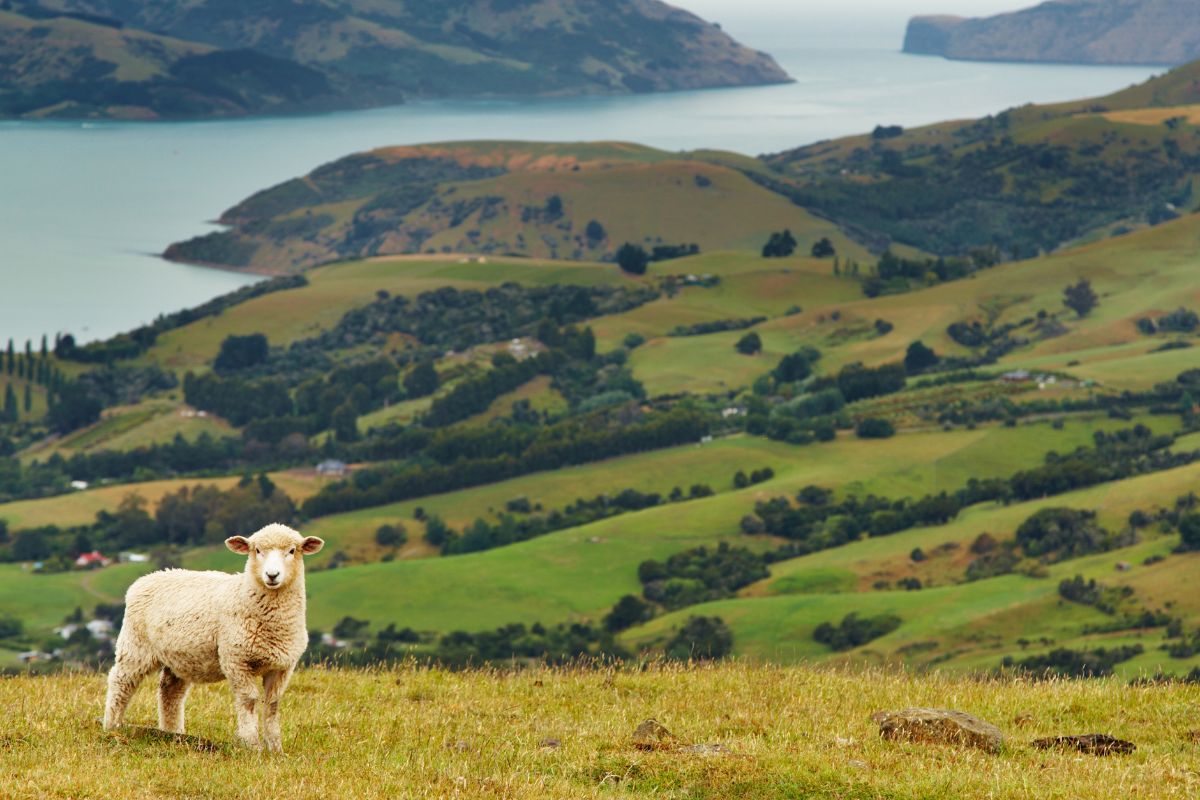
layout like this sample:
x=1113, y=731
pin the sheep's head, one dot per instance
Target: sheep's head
x=275, y=554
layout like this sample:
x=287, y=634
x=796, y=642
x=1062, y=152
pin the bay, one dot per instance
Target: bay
x=84, y=207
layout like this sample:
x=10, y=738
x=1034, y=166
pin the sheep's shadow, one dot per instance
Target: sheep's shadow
x=149, y=736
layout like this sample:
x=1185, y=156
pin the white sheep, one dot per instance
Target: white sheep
x=202, y=627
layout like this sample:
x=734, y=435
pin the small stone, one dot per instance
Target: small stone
x=1193, y=736
x=550, y=744
x=706, y=749
x=1022, y=720
x=460, y=746
x=842, y=741
x=650, y=735
x=854, y=762
x=1093, y=744
x=939, y=726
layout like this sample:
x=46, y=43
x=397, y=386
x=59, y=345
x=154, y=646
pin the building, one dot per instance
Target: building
x=331, y=468
x=92, y=560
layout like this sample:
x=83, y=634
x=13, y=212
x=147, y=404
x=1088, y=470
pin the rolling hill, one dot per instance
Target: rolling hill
x=1067, y=31
x=1026, y=181
x=116, y=58
x=502, y=199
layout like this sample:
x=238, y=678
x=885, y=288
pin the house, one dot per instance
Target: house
x=127, y=557
x=33, y=656
x=92, y=560
x=100, y=628
x=67, y=630
x=331, y=468
x=79, y=485
x=1016, y=376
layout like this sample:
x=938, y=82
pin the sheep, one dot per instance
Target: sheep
x=203, y=627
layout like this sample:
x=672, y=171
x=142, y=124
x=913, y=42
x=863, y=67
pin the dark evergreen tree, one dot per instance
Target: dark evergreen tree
x=750, y=344
x=919, y=357
x=240, y=352
x=633, y=259
x=10, y=403
x=780, y=245
x=824, y=248
x=1080, y=297
x=422, y=381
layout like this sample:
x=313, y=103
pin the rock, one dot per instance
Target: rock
x=1021, y=720
x=550, y=743
x=706, y=749
x=939, y=726
x=857, y=764
x=650, y=735
x=1094, y=744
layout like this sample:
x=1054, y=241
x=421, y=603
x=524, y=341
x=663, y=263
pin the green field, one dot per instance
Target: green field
x=783, y=733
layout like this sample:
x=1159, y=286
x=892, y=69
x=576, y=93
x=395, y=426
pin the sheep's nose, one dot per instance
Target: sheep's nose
x=272, y=576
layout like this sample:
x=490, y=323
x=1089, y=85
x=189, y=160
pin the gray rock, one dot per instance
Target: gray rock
x=650, y=735
x=1094, y=744
x=550, y=743
x=939, y=726
x=706, y=749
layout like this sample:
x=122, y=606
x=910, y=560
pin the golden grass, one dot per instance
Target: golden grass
x=80, y=508
x=1155, y=116
x=417, y=733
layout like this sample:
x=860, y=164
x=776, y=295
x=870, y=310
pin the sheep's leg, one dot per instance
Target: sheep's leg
x=172, y=693
x=273, y=685
x=245, y=700
x=123, y=680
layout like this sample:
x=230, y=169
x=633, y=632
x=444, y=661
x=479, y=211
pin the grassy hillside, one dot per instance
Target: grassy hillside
x=782, y=733
x=287, y=56
x=579, y=202
x=1026, y=180
x=57, y=66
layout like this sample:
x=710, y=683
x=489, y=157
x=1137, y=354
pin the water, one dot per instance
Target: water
x=84, y=207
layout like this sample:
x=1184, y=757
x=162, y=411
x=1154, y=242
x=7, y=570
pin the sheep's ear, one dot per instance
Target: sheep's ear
x=238, y=544
x=312, y=544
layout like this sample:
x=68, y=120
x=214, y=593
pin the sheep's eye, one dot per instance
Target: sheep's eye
x=292, y=552
x=257, y=552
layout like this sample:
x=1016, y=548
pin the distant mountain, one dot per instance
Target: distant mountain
x=1069, y=31
x=196, y=58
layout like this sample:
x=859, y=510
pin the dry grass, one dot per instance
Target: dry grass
x=784, y=732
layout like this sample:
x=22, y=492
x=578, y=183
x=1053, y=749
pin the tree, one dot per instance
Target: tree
x=792, y=368
x=595, y=232
x=750, y=344
x=345, y=423
x=701, y=639
x=1080, y=298
x=919, y=357
x=390, y=535
x=633, y=259
x=422, y=381
x=28, y=397
x=1189, y=532
x=240, y=352
x=629, y=611
x=875, y=428
x=824, y=248
x=10, y=403
x=780, y=245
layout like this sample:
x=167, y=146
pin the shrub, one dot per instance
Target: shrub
x=855, y=631
x=750, y=344
x=390, y=535
x=875, y=428
x=701, y=639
